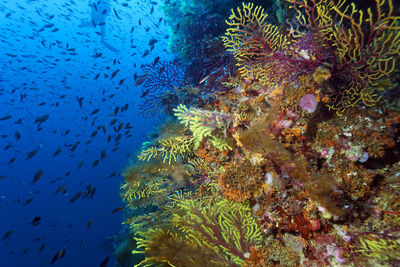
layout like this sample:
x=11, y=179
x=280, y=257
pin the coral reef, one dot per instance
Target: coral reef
x=292, y=159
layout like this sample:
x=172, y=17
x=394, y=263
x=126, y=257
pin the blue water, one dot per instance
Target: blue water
x=45, y=71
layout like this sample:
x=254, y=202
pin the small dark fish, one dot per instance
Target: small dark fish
x=152, y=41
x=116, y=110
x=27, y=201
x=104, y=11
x=37, y=176
x=73, y=148
x=11, y=160
x=120, y=126
x=41, y=247
x=58, y=151
x=60, y=188
x=79, y=99
x=35, y=221
x=103, y=154
x=95, y=111
x=94, y=133
x=116, y=14
x=97, y=55
x=156, y=60
x=90, y=223
x=140, y=22
x=30, y=154
x=117, y=209
x=104, y=263
x=87, y=191
x=58, y=256
x=7, y=235
x=93, y=192
x=97, y=76
x=146, y=52
x=41, y=119
x=6, y=117
x=152, y=10
x=80, y=164
x=7, y=146
x=75, y=197
x=121, y=82
x=113, y=121
x=95, y=163
x=114, y=74
x=17, y=135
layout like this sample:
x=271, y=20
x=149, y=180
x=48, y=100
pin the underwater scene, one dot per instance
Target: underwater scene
x=198, y=133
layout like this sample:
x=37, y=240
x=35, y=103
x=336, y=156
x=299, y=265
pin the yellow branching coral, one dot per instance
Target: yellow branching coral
x=202, y=123
x=222, y=226
x=163, y=246
x=146, y=189
x=249, y=36
x=381, y=248
x=366, y=47
x=256, y=45
x=169, y=149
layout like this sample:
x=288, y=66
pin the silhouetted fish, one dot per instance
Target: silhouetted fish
x=30, y=154
x=114, y=74
x=95, y=111
x=11, y=160
x=6, y=117
x=58, y=256
x=75, y=197
x=90, y=223
x=37, y=176
x=104, y=263
x=117, y=209
x=7, y=235
x=35, y=221
x=41, y=119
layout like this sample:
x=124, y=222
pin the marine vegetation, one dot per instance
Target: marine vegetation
x=292, y=159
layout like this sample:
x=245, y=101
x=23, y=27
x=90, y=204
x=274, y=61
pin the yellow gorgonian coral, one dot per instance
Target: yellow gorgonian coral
x=169, y=149
x=224, y=227
x=366, y=46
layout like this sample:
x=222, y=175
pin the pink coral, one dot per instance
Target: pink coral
x=308, y=103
